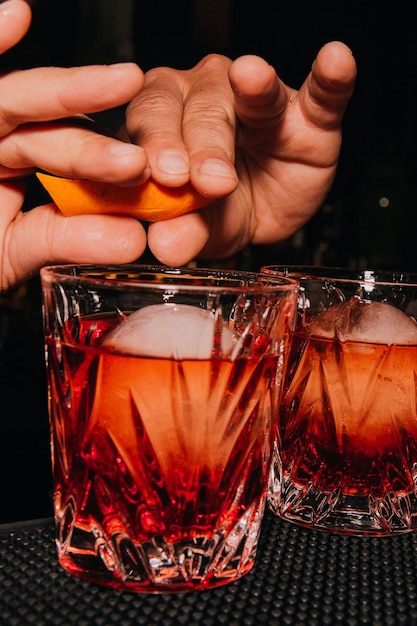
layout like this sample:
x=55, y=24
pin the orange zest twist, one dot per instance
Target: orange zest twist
x=150, y=202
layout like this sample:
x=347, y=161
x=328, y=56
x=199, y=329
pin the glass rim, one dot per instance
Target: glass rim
x=340, y=274
x=93, y=274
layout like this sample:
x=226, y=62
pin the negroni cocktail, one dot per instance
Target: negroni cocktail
x=164, y=409
x=348, y=424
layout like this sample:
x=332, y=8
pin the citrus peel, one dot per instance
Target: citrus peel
x=150, y=202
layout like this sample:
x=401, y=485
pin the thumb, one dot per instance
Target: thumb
x=43, y=236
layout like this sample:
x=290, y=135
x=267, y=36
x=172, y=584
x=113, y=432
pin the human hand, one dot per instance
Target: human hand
x=42, y=126
x=267, y=154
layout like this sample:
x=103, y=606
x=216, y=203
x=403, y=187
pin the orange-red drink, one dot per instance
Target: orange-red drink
x=347, y=457
x=161, y=461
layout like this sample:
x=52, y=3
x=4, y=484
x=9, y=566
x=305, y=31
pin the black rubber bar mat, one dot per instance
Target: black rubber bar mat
x=301, y=577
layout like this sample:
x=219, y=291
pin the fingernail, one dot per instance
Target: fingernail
x=4, y=6
x=216, y=167
x=172, y=162
x=122, y=148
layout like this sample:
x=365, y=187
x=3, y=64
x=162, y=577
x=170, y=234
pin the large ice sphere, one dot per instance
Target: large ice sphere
x=178, y=331
x=366, y=321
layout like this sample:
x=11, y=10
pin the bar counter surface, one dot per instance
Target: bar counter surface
x=301, y=577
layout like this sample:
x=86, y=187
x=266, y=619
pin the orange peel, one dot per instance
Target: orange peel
x=149, y=202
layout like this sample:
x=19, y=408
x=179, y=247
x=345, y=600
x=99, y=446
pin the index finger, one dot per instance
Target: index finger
x=51, y=93
x=154, y=121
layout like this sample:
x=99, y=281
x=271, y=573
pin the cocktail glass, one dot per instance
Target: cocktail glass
x=164, y=385
x=346, y=458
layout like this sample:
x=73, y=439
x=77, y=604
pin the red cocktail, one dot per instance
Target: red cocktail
x=161, y=464
x=347, y=453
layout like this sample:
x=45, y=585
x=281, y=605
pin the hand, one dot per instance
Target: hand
x=266, y=153
x=41, y=126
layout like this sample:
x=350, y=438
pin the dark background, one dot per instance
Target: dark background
x=369, y=218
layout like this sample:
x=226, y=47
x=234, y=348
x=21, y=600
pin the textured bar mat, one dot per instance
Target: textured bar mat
x=301, y=577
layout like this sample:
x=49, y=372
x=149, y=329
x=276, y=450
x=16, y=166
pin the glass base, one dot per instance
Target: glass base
x=341, y=513
x=158, y=566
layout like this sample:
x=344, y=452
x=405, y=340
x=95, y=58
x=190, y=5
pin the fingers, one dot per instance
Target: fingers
x=154, y=120
x=66, y=148
x=50, y=93
x=191, y=131
x=209, y=127
x=47, y=94
x=71, y=151
x=15, y=18
x=260, y=96
x=328, y=88
x=44, y=236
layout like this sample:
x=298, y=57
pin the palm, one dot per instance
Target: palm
x=290, y=172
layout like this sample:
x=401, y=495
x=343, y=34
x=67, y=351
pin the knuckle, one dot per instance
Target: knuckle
x=213, y=62
x=12, y=153
x=210, y=115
